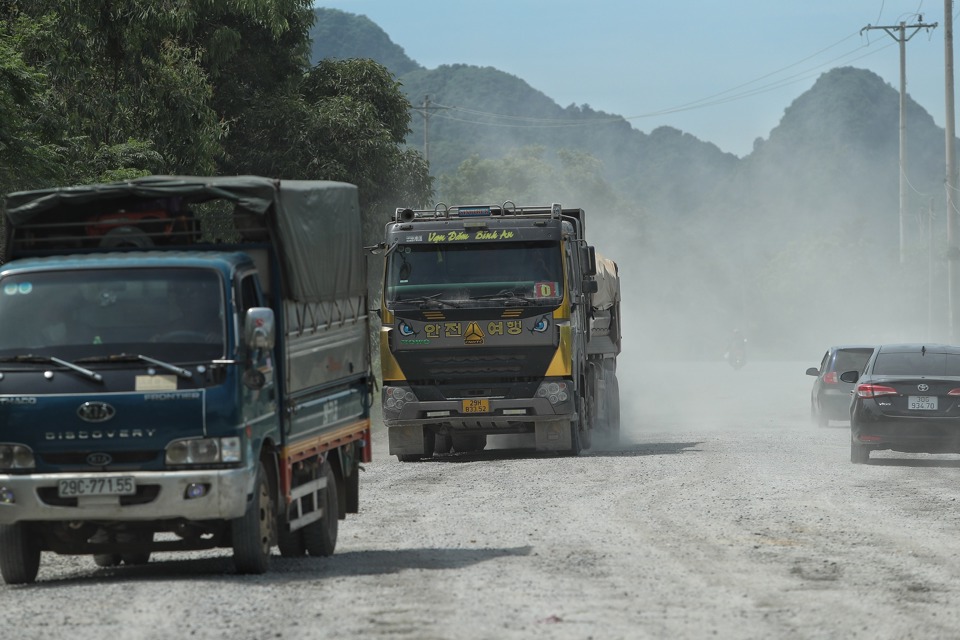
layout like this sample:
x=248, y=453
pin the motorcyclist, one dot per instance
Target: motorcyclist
x=736, y=353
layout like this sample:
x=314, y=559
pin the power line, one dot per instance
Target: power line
x=899, y=33
x=722, y=97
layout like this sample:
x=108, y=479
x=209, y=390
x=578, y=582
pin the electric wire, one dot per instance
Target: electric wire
x=728, y=95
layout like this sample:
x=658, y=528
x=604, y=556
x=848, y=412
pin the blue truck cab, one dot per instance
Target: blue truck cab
x=162, y=388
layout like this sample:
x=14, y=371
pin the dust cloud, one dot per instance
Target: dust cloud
x=793, y=277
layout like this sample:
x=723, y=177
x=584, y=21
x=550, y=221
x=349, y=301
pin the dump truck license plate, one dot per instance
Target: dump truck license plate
x=105, y=486
x=476, y=405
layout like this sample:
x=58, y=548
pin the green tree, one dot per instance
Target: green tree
x=23, y=153
x=118, y=72
x=115, y=88
x=347, y=121
x=527, y=176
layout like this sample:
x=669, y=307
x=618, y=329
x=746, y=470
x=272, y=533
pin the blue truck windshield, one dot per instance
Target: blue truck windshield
x=161, y=312
x=475, y=271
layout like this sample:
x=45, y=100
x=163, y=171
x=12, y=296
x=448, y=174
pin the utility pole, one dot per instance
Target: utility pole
x=425, y=112
x=951, y=185
x=899, y=33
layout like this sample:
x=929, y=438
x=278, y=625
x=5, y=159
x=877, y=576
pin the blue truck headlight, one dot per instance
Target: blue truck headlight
x=203, y=451
x=16, y=456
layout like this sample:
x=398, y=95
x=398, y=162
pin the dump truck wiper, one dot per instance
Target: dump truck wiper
x=428, y=300
x=506, y=294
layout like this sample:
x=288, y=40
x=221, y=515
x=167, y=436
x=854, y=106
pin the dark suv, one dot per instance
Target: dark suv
x=830, y=397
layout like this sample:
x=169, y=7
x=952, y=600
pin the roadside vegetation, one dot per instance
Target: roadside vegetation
x=100, y=90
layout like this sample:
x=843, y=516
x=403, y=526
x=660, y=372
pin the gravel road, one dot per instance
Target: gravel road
x=724, y=513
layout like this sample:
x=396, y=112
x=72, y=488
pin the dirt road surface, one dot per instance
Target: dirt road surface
x=724, y=513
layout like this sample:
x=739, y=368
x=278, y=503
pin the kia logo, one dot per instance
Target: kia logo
x=96, y=412
x=923, y=387
x=99, y=459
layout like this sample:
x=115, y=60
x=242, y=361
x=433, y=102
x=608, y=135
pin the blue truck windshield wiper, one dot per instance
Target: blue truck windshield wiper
x=136, y=357
x=29, y=357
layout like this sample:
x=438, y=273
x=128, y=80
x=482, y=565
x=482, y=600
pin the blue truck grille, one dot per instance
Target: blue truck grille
x=79, y=458
x=145, y=494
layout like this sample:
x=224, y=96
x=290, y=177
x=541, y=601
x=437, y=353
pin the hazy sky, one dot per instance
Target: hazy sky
x=722, y=71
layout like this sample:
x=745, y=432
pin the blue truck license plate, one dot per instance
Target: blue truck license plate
x=105, y=486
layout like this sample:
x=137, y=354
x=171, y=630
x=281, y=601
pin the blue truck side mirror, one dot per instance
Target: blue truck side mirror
x=259, y=331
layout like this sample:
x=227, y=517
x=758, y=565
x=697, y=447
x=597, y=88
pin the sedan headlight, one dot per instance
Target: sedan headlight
x=16, y=456
x=203, y=451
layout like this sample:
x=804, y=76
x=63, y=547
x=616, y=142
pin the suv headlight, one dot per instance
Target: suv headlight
x=203, y=451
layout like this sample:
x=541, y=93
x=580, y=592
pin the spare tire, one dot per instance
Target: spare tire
x=126, y=237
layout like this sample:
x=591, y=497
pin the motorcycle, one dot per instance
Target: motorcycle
x=736, y=355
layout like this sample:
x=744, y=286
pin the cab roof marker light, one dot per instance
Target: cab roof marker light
x=474, y=211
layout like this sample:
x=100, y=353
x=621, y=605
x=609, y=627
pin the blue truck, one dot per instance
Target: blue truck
x=184, y=365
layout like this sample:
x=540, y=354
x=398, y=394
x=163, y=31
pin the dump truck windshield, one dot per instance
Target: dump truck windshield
x=472, y=271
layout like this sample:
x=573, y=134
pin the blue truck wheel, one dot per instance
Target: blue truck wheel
x=254, y=532
x=320, y=536
x=19, y=554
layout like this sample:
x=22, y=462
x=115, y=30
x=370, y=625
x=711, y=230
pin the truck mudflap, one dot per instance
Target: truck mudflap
x=158, y=495
x=414, y=439
x=410, y=435
x=498, y=411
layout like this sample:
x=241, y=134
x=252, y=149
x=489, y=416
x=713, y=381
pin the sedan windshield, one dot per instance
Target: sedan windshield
x=164, y=313
x=528, y=271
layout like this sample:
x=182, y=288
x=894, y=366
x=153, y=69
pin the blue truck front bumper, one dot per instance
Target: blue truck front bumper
x=160, y=495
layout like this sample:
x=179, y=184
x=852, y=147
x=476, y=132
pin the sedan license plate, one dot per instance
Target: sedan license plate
x=475, y=405
x=105, y=486
x=922, y=403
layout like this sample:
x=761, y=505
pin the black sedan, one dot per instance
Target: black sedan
x=830, y=396
x=907, y=399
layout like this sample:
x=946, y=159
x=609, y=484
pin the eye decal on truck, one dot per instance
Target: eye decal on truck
x=541, y=325
x=405, y=329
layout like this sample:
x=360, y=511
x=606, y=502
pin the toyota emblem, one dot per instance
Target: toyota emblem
x=923, y=387
x=95, y=411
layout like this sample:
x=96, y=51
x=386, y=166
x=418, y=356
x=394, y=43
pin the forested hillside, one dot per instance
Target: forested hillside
x=777, y=242
x=771, y=242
